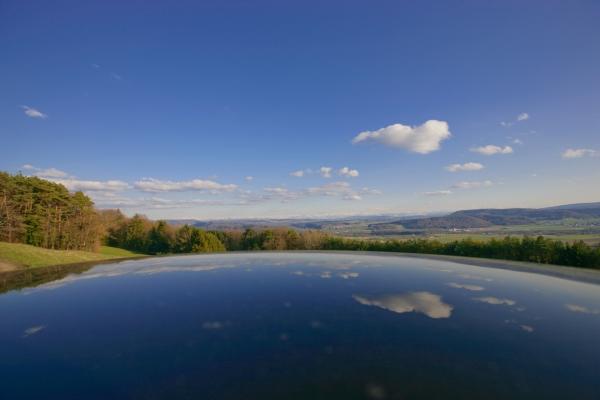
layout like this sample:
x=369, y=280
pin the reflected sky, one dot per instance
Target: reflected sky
x=301, y=325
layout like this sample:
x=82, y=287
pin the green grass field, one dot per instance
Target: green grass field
x=23, y=255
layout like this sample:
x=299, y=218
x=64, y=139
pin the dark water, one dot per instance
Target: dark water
x=300, y=326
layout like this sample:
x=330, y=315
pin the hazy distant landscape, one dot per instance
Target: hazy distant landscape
x=566, y=222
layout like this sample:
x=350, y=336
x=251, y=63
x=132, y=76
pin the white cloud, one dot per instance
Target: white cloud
x=297, y=174
x=249, y=178
x=472, y=185
x=491, y=149
x=421, y=302
x=579, y=153
x=347, y=172
x=517, y=141
x=470, y=166
x=522, y=117
x=156, y=185
x=421, y=139
x=495, y=301
x=325, y=172
x=86, y=185
x=438, y=193
x=28, y=166
x=33, y=113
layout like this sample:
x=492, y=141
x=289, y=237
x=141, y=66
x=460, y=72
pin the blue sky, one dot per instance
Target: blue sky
x=168, y=108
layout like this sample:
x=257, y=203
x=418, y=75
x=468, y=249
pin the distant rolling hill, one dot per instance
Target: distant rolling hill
x=484, y=218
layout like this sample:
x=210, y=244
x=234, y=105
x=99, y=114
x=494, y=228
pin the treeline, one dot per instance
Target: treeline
x=538, y=250
x=142, y=235
x=42, y=213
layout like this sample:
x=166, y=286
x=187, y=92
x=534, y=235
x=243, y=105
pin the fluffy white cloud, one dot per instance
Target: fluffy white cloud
x=472, y=185
x=438, y=193
x=84, y=185
x=421, y=139
x=579, y=153
x=470, y=166
x=297, y=174
x=156, y=185
x=347, y=172
x=33, y=113
x=420, y=302
x=491, y=149
x=325, y=172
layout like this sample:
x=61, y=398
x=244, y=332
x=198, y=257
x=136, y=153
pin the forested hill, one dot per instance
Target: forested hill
x=482, y=218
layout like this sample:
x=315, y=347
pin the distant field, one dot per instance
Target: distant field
x=592, y=239
x=23, y=255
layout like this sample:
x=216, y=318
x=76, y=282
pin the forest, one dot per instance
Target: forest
x=42, y=213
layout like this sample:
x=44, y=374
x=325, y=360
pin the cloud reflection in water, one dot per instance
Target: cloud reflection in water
x=426, y=303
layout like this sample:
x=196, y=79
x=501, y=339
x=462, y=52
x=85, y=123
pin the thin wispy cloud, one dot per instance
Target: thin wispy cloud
x=45, y=172
x=297, y=174
x=521, y=117
x=472, y=184
x=249, y=178
x=75, y=185
x=422, y=139
x=340, y=189
x=491, y=149
x=438, y=193
x=470, y=166
x=579, y=153
x=157, y=185
x=33, y=113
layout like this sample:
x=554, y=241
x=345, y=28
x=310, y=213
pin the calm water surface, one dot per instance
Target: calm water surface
x=300, y=326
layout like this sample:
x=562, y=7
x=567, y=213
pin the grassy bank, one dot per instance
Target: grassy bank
x=15, y=255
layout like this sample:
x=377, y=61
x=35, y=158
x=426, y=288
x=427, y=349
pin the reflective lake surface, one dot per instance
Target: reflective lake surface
x=299, y=326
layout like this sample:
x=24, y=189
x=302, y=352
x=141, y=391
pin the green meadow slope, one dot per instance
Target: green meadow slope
x=16, y=255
